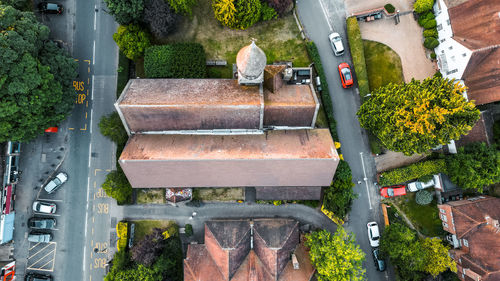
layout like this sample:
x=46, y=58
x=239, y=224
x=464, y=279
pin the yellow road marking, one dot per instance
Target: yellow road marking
x=48, y=263
x=93, y=220
x=95, y=173
x=108, y=170
x=84, y=129
x=43, y=257
x=87, y=61
x=76, y=59
x=89, y=69
x=95, y=184
x=71, y=128
x=34, y=246
x=39, y=251
x=88, y=82
x=87, y=104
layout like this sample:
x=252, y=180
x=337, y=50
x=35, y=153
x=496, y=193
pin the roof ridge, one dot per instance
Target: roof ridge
x=469, y=230
x=289, y=234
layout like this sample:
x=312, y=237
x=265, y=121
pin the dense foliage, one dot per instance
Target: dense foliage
x=237, y=14
x=280, y=6
x=132, y=40
x=35, y=77
x=178, y=60
x=160, y=18
x=122, y=233
x=336, y=257
x=475, y=166
x=267, y=12
x=117, y=186
x=425, y=17
x=421, y=6
x=358, y=56
x=182, y=7
x=417, y=116
x=22, y=5
x=126, y=11
x=415, y=257
x=339, y=196
x=413, y=171
x=149, y=248
x=111, y=127
x=389, y=8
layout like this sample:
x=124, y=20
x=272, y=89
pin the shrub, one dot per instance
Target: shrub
x=116, y=185
x=426, y=178
x=413, y=171
x=280, y=6
x=438, y=73
x=423, y=197
x=178, y=60
x=431, y=33
x=189, y=230
x=237, y=14
x=122, y=233
x=132, y=40
x=125, y=12
x=277, y=202
x=431, y=43
x=425, y=17
x=267, y=12
x=421, y=6
x=111, y=127
x=339, y=196
x=433, y=56
x=358, y=56
x=389, y=8
x=160, y=18
x=430, y=24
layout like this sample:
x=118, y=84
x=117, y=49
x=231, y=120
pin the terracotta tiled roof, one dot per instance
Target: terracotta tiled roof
x=482, y=75
x=290, y=105
x=468, y=215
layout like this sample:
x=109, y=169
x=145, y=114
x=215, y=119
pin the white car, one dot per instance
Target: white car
x=418, y=185
x=44, y=207
x=373, y=234
x=56, y=182
x=336, y=43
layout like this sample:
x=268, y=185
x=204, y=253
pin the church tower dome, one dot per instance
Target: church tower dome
x=251, y=61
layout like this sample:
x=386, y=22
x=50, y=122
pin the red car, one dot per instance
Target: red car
x=345, y=75
x=392, y=191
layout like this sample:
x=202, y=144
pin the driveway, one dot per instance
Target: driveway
x=355, y=6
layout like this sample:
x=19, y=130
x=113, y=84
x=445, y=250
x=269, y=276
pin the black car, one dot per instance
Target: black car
x=37, y=277
x=42, y=223
x=50, y=8
x=378, y=260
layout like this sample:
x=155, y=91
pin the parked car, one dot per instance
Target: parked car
x=392, y=191
x=378, y=260
x=39, y=237
x=37, y=277
x=336, y=43
x=345, y=75
x=44, y=207
x=42, y=223
x=418, y=185
x=50, y=8
x=373, y=234
x=56, y=182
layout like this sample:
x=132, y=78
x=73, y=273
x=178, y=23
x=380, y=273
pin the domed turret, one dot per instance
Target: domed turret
x=251, y=61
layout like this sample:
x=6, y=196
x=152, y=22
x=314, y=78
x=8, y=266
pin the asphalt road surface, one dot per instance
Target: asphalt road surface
x=319, y=18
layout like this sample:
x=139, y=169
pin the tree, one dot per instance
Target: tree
x=237, y=14
x=126, y=11
x=160, y=18
x=22, y=5
x=182, y=7
x=169, y=263
x=280, y=6
x=111, y=127
x=141, y=272
x=224, y=11
x=117, y=186
x=339, y=196
x=436, y=257
x=474, y=166
x=149, y=248
x=415, y=117
x=421, y=6
x=336, y=257
x=132, y=40
x=31, y=74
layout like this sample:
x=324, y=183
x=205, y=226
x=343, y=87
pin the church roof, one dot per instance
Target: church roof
x=251, y=61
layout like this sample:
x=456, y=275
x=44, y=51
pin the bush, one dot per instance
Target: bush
x=423, y=197
x=425, y=17
x=160, y=18
x=389, y=8
x=413, y=171
x=122, y=233
x=430, y=24
x=326, y=100
x=237, y=14
x=189, y=230
x=125, y=12
x=111, y=127
x=421, y=6
x=431, y=43
x=433, y=56
x=358, y=56
x=132, y=40
x=339, y=196
x=123, y=75
x=438, y=73
x=280, y=6
x=431, y=33
x=116, y=185
x=178, y=60
x=267, y=12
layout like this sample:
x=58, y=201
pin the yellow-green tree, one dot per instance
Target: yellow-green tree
x=417, y=116
x=224, y=11
x=336, y=257
x=436, y=256
x=182, y=6
x=237, y=14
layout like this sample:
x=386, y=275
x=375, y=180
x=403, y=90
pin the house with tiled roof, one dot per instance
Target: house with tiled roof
x=474, y=231
x=249, y=250
x=469, y=49
x=257, y=130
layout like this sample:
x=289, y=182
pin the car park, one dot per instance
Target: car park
x=336, y=43
x=44, y=207
x=39, y=237
x=50, y=8
x=37, y=277
x=42, y=223
x=345, y=75
x=56, y=182
x=378, y=260
x=393, y=191
x=373, y=234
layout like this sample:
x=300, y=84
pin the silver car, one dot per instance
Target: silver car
x=56, y=182
x=39, y=237
x=336, y=43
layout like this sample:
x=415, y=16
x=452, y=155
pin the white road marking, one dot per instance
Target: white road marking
x=365, y=179
x=326, y=15
x=93, y=54
x=91, y=115
x=86, y=223
x=95, y=19
x=50, y=200
x=90, y=154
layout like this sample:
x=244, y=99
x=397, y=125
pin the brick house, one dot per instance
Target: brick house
x=474, y=230
x=249, y=250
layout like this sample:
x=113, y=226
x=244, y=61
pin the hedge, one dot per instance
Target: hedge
x=413, y=171
x=358, y=56
x=312, y=50
x=425, y=17
x=389, y=8
x=431, y=43
x=122, y=233
x=430, y=24
x=178, y=60
x=431, y=33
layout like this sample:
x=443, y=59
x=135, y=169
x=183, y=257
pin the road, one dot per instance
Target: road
x=319, y=18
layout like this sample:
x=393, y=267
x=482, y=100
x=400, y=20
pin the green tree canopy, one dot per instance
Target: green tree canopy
x=336, y=257
x=417, y=116
x=132, y=40
x=35, y=77
x=182, y=7
x=339, y=196
x=117, y=186
x=237, y=14
x=111, y=127
x=421, y=6
x=475, y=166
x=126, y=11
x=436, y=257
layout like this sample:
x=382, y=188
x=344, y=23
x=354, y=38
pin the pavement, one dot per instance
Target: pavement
x=355, y=6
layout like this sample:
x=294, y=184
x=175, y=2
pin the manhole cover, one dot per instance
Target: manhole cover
x=94, y=154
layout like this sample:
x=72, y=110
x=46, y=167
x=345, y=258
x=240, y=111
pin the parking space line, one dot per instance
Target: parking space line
x=34, y=246
x=53, y=251
x=50, y=200
x=38, y=213
x=39, y=251
x=48, y=263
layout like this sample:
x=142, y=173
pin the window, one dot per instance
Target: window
x=464, y=55
x=445, y=224
x=452, y=71
x=448, y=21
x=442, y=40
x=465, y=242
x=450, y=48
x=439, y=27
x=444, y=218
x=442, y=211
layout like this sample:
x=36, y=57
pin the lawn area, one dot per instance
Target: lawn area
x=321, y=120
x=425, y=218
x=151, y=196
x=383, y=64
x=145, y=227
x=219, y=194
x=279, y=39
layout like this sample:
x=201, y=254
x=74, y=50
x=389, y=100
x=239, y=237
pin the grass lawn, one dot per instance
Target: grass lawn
x=321, y=120
x=383, y=64
x=151, y=196
x=123, y=71
x=219, y=194
x=145, y=227
x=279, y=39
x=425, y=218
